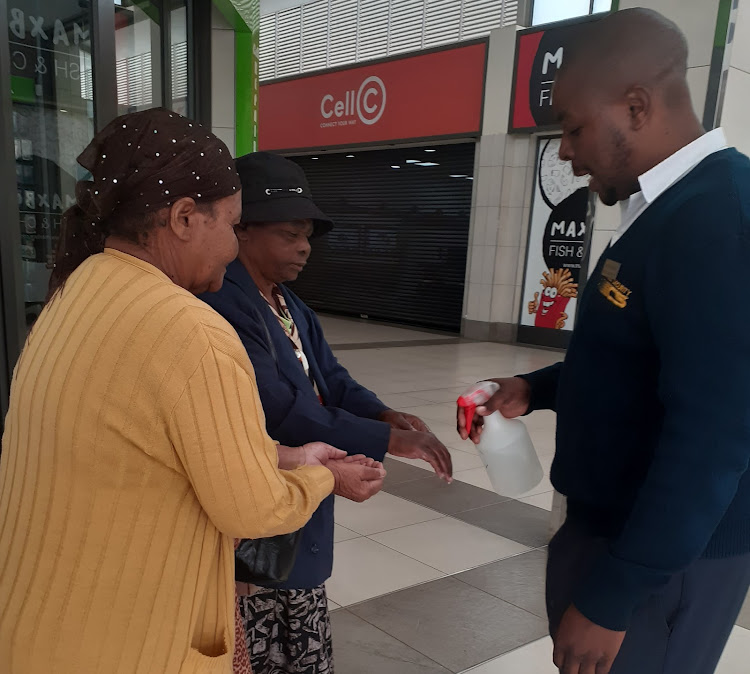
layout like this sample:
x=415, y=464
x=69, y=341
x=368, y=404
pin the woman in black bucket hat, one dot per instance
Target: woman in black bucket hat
x=307, y=396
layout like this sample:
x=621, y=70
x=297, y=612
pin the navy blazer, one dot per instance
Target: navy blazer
x=294, y=415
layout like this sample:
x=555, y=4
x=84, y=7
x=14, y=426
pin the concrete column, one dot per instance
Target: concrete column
x=222, y=79
x=733, y=108
x=503, y=177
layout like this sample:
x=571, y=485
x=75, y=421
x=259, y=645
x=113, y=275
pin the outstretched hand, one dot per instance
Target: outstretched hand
x=403, y=421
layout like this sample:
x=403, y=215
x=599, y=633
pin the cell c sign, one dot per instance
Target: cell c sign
x=368, y=103
x=397, y=99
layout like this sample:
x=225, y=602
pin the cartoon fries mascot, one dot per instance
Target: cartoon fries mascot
x=558, y=289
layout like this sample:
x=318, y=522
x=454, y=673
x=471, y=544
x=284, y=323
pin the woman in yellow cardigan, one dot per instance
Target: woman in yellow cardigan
x=134, y=447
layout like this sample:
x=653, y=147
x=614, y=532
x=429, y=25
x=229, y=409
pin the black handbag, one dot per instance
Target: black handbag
x=266, y=561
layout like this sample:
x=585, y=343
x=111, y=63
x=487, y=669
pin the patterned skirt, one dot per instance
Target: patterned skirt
x=288, y=631
x=241, y=660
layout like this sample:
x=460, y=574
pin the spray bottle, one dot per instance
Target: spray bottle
x=505, y=446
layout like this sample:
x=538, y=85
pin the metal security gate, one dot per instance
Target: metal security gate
x=398, y=249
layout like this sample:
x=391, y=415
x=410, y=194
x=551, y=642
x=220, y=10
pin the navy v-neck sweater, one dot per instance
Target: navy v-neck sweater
x=653, y=398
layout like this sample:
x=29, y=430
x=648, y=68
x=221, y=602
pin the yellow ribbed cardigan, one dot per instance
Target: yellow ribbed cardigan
x=134, y=452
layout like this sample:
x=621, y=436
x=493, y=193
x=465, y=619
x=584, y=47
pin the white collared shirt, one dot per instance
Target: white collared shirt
x=659, y=179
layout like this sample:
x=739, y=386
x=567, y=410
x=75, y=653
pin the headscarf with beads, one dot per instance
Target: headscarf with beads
x=139, y=163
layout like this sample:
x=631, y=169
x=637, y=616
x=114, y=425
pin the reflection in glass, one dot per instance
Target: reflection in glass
x=52, y=98
x=138, y=47
x=179, y=52
x=138, y=55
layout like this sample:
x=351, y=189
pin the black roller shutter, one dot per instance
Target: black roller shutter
x=398, y=249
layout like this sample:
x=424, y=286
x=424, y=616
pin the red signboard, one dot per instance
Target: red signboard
x=429, y=95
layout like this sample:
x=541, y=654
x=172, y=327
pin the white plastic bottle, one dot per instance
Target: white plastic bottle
x=505, y=446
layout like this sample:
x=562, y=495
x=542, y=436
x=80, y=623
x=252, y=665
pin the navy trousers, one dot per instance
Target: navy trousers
x=681, y=630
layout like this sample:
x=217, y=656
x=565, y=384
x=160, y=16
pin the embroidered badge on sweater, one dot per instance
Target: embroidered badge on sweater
x=615, y=292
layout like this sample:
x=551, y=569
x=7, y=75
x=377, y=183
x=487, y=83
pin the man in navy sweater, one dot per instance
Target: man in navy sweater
x=650, y=569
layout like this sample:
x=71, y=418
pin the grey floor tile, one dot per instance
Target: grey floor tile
x=744, y=618
x=518, y=521
x=400, y=472
x=448, y=499
x=360, y=648
x=518, y=580
x=452, y=623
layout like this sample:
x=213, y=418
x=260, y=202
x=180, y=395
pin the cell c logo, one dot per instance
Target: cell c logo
x=370, y=111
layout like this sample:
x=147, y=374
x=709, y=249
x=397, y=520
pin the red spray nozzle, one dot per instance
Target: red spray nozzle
x=469, y=409
x=477, y=395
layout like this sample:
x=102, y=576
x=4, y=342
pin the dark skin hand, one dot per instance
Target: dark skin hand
x=424, y=446
x=357, y=478
x=411, y=439
x=403, y=421
x=582, y=647
x=511, y=400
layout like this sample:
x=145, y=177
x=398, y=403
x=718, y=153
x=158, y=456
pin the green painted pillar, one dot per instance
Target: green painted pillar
x=246, y=91
x=244, y=17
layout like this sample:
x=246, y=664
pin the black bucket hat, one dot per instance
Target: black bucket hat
x=275, y=189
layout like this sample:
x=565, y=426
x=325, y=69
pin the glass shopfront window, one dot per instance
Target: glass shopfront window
x=146, y=68
x=71, y=66
x=179, y=53
x=51, y=45
x=138, y=55
x=53, y=120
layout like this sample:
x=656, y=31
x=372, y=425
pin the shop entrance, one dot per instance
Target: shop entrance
x=398, y=249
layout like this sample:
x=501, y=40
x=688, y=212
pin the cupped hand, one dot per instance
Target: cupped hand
x=356, y=481
x=320, y=453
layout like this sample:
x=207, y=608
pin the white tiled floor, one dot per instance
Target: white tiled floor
x=363, y=569
x=449, y=545
x=543, y=501
x=342, y=534
x=389, y=543
x=534, y=658
x=382, y=512
x=463, y=460
x=736, y=658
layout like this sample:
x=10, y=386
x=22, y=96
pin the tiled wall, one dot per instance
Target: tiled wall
x=500, y=209
x=222, y=79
